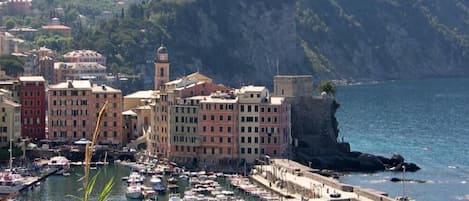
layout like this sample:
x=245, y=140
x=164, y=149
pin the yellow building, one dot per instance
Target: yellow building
x=10, y=122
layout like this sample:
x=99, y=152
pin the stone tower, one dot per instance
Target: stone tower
x=161, y=67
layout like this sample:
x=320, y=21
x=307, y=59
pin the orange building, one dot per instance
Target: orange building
x=73, y=111
x=218, y=129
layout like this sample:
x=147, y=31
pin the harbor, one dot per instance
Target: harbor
x=279, y=179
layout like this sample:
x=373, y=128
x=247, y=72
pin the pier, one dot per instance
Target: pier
x=12, y=191
x=297, y=182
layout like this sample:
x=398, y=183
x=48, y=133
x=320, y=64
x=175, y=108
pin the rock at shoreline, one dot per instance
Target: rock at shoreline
x=395, y=179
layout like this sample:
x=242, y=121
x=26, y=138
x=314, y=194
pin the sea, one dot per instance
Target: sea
x=426, y=121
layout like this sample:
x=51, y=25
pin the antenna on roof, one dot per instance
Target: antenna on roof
x=277, y=67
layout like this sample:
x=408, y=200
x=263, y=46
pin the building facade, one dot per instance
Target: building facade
x=78, y=56
x=33, y=110
x=218, y=129
x=10, y=122
x=74, y=107
x=79, y=71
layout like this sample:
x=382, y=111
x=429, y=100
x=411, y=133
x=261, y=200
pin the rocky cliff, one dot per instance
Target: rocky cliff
x=244, y=41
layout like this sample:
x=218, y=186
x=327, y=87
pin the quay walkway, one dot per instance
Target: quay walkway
x=291, y=179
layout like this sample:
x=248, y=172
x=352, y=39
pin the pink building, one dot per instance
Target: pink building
x=73, y=111
x=274, y=123
x=218, y=130
x=77, y=56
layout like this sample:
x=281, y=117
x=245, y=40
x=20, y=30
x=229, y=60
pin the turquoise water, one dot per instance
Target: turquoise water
x=426, y=121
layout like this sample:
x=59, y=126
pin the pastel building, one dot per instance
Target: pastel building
x=184, y=133
x=33, y=110
x=250, y=97
x=74, y=107
x=10, y=119
x=77, y=56
x=218, y=129
x=56, y=28
x=274, y=127
x=64, y=71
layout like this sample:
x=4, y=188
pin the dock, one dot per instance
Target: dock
x=297, y=182
x=12, y=191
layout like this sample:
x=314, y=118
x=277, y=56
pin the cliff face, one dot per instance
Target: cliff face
x=237, y=42
x=242, y=41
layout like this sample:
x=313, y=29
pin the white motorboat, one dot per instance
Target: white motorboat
x=59, y=162
x=174, y=197
x=134, y=191
x=135, y=177
x=155, y=179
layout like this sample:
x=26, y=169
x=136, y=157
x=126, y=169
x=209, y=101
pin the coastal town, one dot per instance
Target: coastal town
x=178, y=138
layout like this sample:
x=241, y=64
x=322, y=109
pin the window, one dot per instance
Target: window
x=249, y=139
x=229, y=129
x=212, y=139
x=228, y=139
x=242, y=150
x=221, y=139
x=212, y=117
x=221, y=117
x=249, y=150
x=229, y=117
x=220, y=129
x=161, y=72
x=242, y=139
x=242, y=108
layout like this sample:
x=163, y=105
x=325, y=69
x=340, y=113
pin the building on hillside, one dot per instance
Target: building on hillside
x=33, y=107
x=43, y=52
x=30, y=62
x=74, y=107
x=45, y=68
x=26, y=33
x=10, y=84
x=18, y=7
x=84, y=56
x=79, y=71
x=55, y=28
x=10, y=122
x=9, y=43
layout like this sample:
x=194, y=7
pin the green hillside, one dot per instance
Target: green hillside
x=247, y=42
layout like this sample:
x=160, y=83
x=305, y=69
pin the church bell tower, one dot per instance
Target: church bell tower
x=161, y=68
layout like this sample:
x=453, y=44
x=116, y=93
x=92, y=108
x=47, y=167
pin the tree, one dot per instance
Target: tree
x=327, y=86
x=12, y=65
x=10, y=24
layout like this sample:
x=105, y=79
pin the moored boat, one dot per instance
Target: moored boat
x=59, y=162
x=134, y=191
